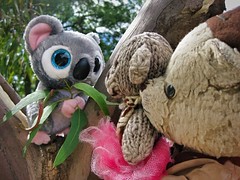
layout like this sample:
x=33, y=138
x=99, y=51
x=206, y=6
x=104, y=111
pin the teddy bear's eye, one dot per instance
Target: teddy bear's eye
x=61, y=59
x=97, y=65
x=170, y=91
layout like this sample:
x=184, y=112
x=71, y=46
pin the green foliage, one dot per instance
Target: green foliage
x=108, y=18
x=78, y=120
x=30, y=98
x=100, y=99
x=31, y=136
x=46, y=113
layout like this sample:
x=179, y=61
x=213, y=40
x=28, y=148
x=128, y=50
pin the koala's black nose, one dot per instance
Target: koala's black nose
x=82, y=69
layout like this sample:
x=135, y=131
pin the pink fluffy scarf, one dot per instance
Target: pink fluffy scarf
x=108, y=162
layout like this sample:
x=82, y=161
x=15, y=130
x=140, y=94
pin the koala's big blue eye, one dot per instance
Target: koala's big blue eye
x=61, y=59
x=56, y=62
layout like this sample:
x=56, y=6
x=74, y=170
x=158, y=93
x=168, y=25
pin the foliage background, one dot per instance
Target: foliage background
x=109, y=18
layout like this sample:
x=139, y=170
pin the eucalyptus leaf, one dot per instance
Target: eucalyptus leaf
x=46, y=113
x=30, y=138
x=78, y=122
x=33, y=97
x=98, y=97
x=108, y=102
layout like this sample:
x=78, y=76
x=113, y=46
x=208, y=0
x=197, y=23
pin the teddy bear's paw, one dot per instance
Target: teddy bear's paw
x=138, y=138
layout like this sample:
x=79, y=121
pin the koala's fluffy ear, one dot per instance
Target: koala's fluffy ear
x=39, y=29
x=94, y=36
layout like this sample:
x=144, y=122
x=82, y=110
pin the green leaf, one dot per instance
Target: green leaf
x=31, y=136
x=78, y=122
x=108, y=102
x=46, y=112
x=33, y=97
x=98, y=97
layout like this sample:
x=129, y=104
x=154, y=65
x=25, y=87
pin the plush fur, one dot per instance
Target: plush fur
x=204, y=71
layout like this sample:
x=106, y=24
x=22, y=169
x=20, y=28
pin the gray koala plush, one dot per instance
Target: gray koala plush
x=60, y=59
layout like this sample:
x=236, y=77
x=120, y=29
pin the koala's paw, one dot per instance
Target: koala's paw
x=69, y=106
x=41, y=138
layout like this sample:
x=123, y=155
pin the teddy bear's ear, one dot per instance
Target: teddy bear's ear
x=140, y=65
x=94, y=36
x=39, y=29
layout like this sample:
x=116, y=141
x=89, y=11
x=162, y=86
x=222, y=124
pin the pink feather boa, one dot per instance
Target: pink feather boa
x=108, y=162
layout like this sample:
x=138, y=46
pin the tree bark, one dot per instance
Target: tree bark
x=170, y=18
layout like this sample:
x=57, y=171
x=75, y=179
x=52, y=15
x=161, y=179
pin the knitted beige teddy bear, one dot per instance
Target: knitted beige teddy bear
x=196, y=102
x=143, y=57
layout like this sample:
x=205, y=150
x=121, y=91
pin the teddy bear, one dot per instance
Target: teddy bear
x=60, y=59
x=196, y=102
x=142, y=57
x=132, y=149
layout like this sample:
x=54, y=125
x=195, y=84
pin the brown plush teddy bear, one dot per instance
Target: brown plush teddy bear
x=143, y=57
x=196, y=102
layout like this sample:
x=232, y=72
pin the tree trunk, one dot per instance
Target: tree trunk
x=170, y=18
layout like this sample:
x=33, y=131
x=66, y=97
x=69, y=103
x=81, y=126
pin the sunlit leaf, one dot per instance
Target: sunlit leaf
x=33, y=97
x=98, y=97
x=78, y=122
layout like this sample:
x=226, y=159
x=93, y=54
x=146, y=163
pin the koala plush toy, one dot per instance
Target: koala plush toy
x=60, y=59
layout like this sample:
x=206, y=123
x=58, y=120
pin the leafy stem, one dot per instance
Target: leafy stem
x=78, y=120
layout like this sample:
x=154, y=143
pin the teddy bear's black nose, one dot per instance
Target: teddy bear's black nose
x=82, y=69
